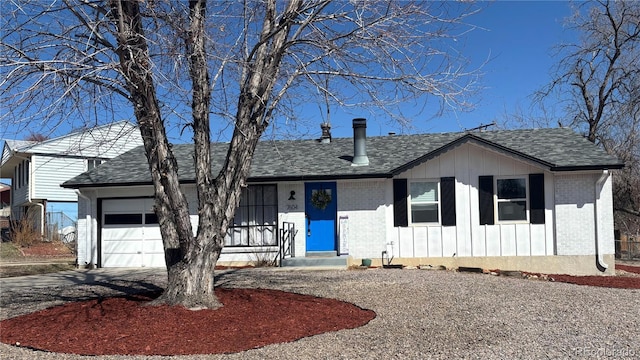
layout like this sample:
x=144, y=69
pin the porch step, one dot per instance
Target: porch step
x=334, y=261
x=322, y=254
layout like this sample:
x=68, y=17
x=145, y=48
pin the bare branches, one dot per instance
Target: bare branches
x=69, y=48
x=599, y=80
x=599, y=70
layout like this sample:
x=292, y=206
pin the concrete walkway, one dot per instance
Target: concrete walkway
x=76, y=277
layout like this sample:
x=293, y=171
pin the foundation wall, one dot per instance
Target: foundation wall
x=573, y=265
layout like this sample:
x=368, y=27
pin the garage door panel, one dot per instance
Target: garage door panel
x=122, y=247
x=122, y=233
x=152, y=232
x=154, y=260
x=152, y=246
x=122, y=260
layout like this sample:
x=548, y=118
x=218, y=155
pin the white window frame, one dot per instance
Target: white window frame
x=93, y=161
x=497, y=200
x=438, y=202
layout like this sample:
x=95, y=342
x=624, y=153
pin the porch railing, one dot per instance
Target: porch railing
x=287, y=241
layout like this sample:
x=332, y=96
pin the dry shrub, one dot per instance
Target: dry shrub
x=25, y=232
x=263, y=259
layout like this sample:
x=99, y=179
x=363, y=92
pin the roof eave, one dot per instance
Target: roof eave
x=587, y=167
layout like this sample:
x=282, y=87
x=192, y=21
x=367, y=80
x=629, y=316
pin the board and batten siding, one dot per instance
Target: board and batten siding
x=466, y=163
x=51, y=171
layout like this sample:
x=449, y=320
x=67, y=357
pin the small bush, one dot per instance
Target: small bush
x=263, y=259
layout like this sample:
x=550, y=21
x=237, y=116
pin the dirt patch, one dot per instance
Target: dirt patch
x=34, y=269
x=250, y=318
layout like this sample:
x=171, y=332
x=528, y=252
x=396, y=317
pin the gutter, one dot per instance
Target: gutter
x=600, y=264
x=88, y=229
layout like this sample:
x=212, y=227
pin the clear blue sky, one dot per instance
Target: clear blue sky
x=515, y=36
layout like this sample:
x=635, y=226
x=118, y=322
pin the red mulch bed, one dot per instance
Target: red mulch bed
x=47, y=250
x=628, y=268
x=250, y=318
x=622, y=282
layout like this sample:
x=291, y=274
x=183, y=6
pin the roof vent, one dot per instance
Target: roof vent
x=325, y=138
x=360, y=142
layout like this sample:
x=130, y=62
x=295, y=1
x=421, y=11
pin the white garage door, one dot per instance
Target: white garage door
x=130, y=234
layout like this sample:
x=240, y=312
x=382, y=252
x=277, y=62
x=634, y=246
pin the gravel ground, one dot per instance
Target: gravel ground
x=421, y=314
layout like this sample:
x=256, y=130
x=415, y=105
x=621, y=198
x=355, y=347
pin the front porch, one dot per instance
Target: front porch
x=311, y=259
x=316, y=259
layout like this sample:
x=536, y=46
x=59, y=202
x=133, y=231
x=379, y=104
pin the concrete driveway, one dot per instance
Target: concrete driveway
x=76, y=277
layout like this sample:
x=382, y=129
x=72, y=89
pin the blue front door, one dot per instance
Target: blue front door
x=320, y=211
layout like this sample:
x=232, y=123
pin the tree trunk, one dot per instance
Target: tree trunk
x=190, y=263
x=191, y=260
x=191, y=280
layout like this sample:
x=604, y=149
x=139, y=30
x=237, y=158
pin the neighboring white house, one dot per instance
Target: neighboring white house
x=37, y=169
x=536, y=200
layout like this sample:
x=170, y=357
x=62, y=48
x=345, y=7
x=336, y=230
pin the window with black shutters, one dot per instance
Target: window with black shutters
x=426, y=202
x=511, y=199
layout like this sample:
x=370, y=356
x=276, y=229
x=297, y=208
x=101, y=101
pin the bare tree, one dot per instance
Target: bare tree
x=245, y=63
x=598, y=82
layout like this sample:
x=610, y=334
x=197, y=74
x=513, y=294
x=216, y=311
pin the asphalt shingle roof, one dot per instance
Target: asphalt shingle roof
x=556, y=149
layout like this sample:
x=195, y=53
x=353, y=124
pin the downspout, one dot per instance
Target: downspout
x=87, y=229
x=42, y=218
x=600, y=264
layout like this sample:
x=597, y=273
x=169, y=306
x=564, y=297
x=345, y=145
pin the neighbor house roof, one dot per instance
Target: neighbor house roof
x=288, y=160
x=103, y=141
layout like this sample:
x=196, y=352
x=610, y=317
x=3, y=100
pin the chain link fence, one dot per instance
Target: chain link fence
x=60, y=227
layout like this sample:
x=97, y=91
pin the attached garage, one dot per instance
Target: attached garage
x=130, y=234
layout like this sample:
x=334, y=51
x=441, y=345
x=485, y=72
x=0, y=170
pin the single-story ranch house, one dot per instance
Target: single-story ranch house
x=534, y=200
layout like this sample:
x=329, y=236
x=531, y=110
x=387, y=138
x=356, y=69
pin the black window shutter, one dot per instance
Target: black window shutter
x=485, y=189
x=448, y=205
x=400, y=216
x=536, y=198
